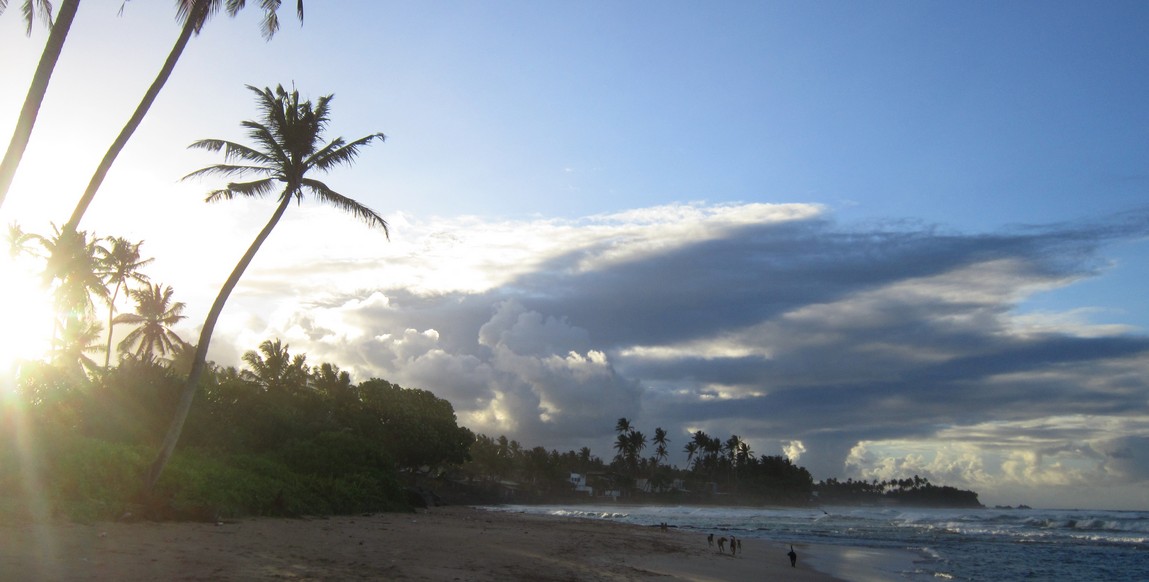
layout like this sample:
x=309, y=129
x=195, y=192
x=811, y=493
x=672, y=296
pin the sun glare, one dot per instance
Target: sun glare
x=25, y=316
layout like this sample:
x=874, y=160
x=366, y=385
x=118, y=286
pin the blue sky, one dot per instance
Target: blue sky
x=888, y=237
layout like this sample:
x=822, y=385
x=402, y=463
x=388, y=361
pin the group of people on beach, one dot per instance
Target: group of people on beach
x=736, y=547
x=735, y=544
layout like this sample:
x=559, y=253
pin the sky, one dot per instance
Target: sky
x=883, y=239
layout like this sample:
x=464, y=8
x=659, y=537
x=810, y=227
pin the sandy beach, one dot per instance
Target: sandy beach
x=445, y=543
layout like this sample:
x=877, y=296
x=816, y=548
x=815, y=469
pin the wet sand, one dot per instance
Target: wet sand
x=446, y=543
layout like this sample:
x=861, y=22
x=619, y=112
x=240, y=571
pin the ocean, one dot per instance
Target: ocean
x=922, y=544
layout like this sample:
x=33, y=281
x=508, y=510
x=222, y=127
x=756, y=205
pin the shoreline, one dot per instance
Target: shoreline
x=443, y=543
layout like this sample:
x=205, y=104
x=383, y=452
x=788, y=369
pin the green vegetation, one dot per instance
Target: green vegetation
x=276, y=438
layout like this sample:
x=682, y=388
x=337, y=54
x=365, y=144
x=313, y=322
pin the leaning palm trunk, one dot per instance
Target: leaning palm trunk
x=194, y=21
x=200, y=361
x=31, y=109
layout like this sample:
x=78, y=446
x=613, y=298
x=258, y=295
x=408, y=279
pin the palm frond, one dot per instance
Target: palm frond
x=29, y=8
x=267, y=138
x=326, y=159
x=128, y=318
x=232, y=150
x=329, y=196
x=228, y=170
x=199, y=11
x=255, y=189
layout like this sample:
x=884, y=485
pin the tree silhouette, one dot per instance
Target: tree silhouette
x=78, y=337
x=121, y=265
x=660, y=440
x=274, y=368
x=74, y=268
x=289, y=138
x=155, y=314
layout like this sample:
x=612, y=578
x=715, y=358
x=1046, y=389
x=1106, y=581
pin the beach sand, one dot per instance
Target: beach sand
x=444, y=543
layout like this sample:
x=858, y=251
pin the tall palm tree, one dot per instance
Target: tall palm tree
x=122, y=265
x=289, y=140
x=155, y=315
x=31, y=108
x=194, y=14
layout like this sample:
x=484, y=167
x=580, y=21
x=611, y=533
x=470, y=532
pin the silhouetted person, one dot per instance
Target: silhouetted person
x=793, y=557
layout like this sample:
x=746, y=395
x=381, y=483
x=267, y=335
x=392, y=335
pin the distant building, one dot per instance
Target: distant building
x=578, y=482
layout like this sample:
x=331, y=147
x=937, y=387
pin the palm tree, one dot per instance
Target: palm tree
x=121, y=265
x=31, y=108
x=660, y=442
x=622, y=426
x=290, y=145
x=74, y=261
x=621, y=447
x=194, y=14
x=637, y=443
x=276, y=370
x=332, y=382
x=745, y=454
x=155, y=314
x=78, y=337
x=690, y=449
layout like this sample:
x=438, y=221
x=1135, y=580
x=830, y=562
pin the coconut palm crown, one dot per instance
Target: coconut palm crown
x=289, y=146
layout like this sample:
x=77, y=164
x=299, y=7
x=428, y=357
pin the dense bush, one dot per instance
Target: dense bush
x=266, y=441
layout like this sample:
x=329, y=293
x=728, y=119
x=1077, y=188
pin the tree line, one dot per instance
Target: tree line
x=721, y=471
x=277, y=436
x=717, y=470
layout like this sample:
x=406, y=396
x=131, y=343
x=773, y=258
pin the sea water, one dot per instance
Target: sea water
x=944, y=544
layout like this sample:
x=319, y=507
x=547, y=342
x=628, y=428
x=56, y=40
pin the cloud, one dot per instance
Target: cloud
x=841, y=345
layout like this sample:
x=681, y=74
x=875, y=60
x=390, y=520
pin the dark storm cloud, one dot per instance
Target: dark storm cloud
x=760, y=271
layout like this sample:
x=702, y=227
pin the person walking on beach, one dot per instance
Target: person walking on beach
x=793, y=557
